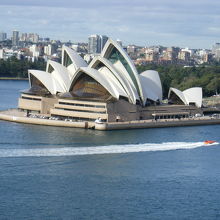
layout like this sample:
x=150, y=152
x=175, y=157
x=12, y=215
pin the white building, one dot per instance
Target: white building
x=1, y=54
x=109, y=88
x=48, y=50
x=34, y=50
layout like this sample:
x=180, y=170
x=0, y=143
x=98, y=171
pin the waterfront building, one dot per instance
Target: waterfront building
x=15, y=38
x=109, y=88
x=192, y=96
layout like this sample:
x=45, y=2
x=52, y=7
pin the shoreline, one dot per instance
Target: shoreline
x=12, y=78
x=14, y=115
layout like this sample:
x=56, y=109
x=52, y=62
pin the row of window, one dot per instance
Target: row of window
x=83, y=105
x=74, y=110
x=30, y=98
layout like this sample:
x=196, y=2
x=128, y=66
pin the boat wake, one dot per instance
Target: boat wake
x=111, y=149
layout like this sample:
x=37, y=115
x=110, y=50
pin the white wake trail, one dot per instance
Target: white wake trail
x=111, y=149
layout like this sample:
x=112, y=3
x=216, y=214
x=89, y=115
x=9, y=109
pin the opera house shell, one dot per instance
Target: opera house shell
x=192, y=96
x=109, y=88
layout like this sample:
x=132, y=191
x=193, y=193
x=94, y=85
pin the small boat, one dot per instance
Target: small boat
x=209, y=142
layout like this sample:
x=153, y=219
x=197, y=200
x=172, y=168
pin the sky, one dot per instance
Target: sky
x=184, y=23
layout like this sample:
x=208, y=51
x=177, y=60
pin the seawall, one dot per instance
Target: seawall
x=15, y=115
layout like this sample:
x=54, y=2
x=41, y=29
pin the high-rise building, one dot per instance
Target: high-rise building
x=34, y=50
x=96, y=43
x=215, y=47
x=50, y=49
x=33, y=38
x=3, y=36
x=15, y=38
x=103, y=39
x=24, y=37
x=216, y=51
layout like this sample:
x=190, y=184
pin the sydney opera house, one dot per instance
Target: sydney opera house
x=108, y=88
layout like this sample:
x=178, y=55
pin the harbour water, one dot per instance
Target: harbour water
x=54, y=173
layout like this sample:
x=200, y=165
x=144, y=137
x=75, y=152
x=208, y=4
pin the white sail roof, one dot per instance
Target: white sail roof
x=47, y=80
x=76, y=60
x=117, y=55
x=119, y=76
x=104, y=78
x=178, y=93
x=189, y=96
x=151, y=85
x=60, y=73
x=113, y=69
x=194, y=95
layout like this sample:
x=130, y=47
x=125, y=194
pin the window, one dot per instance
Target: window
x=115, y=56
x=174, y=99
x=66, y=60
x=50, y=69
x=37, y=88
x=86, y=87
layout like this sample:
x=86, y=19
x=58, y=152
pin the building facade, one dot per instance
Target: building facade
x=109, y=88
x=96, y=43
x=15, y=38
x=3, y=36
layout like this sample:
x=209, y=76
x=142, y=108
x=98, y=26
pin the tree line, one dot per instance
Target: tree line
x=207, y=77
x=12, y=67
x=179, y=77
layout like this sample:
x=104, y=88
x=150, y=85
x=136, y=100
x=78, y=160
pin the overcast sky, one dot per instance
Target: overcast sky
x=185, y=23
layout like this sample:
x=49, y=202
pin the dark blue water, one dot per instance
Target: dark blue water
x=155, y=184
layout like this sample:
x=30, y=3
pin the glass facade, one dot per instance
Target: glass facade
x=66, y=60
x=114, y=56
x=50, y=69
x=100, y=65
x=86, y=87
x=37, y=88
x=174, y=99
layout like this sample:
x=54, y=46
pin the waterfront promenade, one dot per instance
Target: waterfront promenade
x=15, y=115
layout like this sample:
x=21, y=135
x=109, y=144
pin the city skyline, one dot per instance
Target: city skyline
x=186, y=24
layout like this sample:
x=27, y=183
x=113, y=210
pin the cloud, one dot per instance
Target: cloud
x=144, y=22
